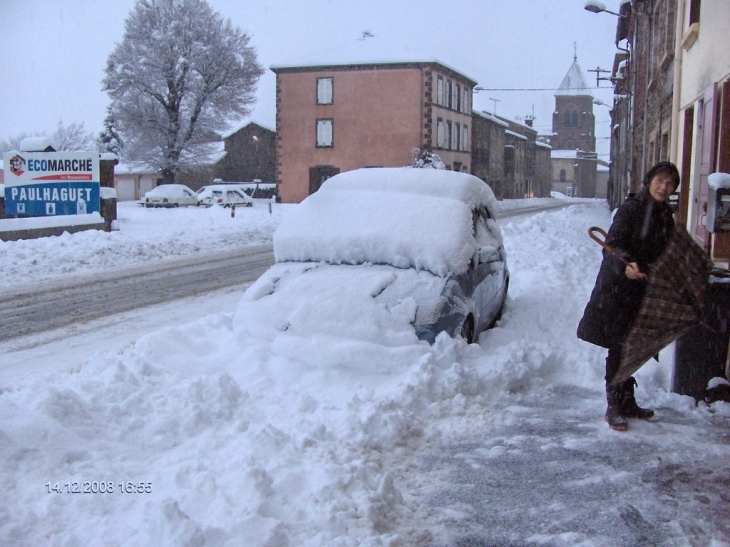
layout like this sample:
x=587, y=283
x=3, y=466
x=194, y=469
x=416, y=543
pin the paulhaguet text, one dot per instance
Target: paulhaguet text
x=32, y=193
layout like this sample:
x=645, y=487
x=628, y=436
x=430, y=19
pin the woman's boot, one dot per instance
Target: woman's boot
x=614, y=412
x=629, y=408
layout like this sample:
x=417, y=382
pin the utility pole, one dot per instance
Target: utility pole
x=495, y=101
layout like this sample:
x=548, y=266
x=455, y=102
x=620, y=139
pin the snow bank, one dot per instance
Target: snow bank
x=28, y=223
x=143, y=235
x=261, y=442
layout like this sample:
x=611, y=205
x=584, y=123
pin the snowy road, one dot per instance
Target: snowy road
x=60, y=302
x=63, y=302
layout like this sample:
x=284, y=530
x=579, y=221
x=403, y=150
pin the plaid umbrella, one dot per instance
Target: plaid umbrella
x=672, y=303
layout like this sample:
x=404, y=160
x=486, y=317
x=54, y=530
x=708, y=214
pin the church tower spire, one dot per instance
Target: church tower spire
x=574, y=126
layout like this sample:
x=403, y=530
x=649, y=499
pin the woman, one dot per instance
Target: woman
x=638, y=234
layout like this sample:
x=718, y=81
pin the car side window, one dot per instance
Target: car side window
x=481, y=229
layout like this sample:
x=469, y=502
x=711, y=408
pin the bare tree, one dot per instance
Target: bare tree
x=180, y=75
x=66, y=138
x=73, y=137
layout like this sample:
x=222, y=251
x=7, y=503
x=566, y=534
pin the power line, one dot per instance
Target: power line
x=478, y=89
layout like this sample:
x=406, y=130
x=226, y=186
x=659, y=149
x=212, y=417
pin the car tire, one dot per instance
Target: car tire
x=467, y=329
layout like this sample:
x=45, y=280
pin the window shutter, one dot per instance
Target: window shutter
x=324, y=91
x=324, y=132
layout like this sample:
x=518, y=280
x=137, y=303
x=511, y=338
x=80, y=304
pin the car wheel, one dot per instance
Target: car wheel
x=467, y=329
x=175, y=205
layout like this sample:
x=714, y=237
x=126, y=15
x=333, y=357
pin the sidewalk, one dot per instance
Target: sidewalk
x=555, y=474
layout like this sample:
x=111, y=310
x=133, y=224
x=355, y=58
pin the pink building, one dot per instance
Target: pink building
x=342, y=117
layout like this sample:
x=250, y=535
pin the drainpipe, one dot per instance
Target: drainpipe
x=647, y=73
x=677, y=84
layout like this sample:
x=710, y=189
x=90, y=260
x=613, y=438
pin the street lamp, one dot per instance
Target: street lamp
x=599, y=7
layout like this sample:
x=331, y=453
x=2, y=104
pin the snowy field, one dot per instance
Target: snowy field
x=196, y=434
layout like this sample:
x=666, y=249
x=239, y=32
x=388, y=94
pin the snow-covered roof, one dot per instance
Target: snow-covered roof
x=404, y=217
x=134, y=168
x=513, y=134
x=543, y=144
x=243, y=125
x=490, y=117
x=574, y=84
x=370, y=51
x=564, y=154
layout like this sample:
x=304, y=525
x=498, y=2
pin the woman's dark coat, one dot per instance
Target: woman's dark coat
x=639, y=233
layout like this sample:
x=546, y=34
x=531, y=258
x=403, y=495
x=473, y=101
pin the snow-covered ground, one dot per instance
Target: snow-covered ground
x=187, y=432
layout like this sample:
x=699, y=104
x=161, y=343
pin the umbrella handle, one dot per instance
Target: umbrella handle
x=602, y=242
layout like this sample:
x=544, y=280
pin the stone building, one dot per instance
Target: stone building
x=250, y=153
x=507, y=155
x=487, y=154
x=574, y=130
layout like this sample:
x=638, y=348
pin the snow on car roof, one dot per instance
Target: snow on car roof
x=168, y=190
x=405, y=217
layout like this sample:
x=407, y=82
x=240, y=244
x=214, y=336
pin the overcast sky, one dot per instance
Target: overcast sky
x=54, y=51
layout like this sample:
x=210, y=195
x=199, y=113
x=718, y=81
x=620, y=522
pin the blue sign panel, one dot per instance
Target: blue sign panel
x=56, y=198
x=51, y=183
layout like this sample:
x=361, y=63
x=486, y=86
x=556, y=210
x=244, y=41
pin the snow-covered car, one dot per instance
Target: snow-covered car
x=170, y=195
x=386, y=255
x=224, y=195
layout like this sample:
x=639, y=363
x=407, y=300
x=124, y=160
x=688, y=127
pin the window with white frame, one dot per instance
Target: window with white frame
x=457, y=98
x=440, y=134
x=465, y=138
x=449, y=87
x=440, y=91
x=325, y=131
x=324, y=90
x=449, y=135
x=455, y=137
x=465, y=102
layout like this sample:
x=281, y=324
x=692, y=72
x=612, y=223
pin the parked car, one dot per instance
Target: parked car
x=224, y=195
x=170, y=195
x=420, y=244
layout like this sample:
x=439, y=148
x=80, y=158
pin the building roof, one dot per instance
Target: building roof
x=367, y=51
x=564, y=154
x=490, y=117
x=574, y=84
x=244, y=125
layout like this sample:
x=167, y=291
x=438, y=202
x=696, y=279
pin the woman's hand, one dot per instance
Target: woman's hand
x=633, y=271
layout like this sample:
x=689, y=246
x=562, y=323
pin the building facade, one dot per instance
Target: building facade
x=672, y=102
x=701, y=141
x=488, y=152
x=338, y=118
